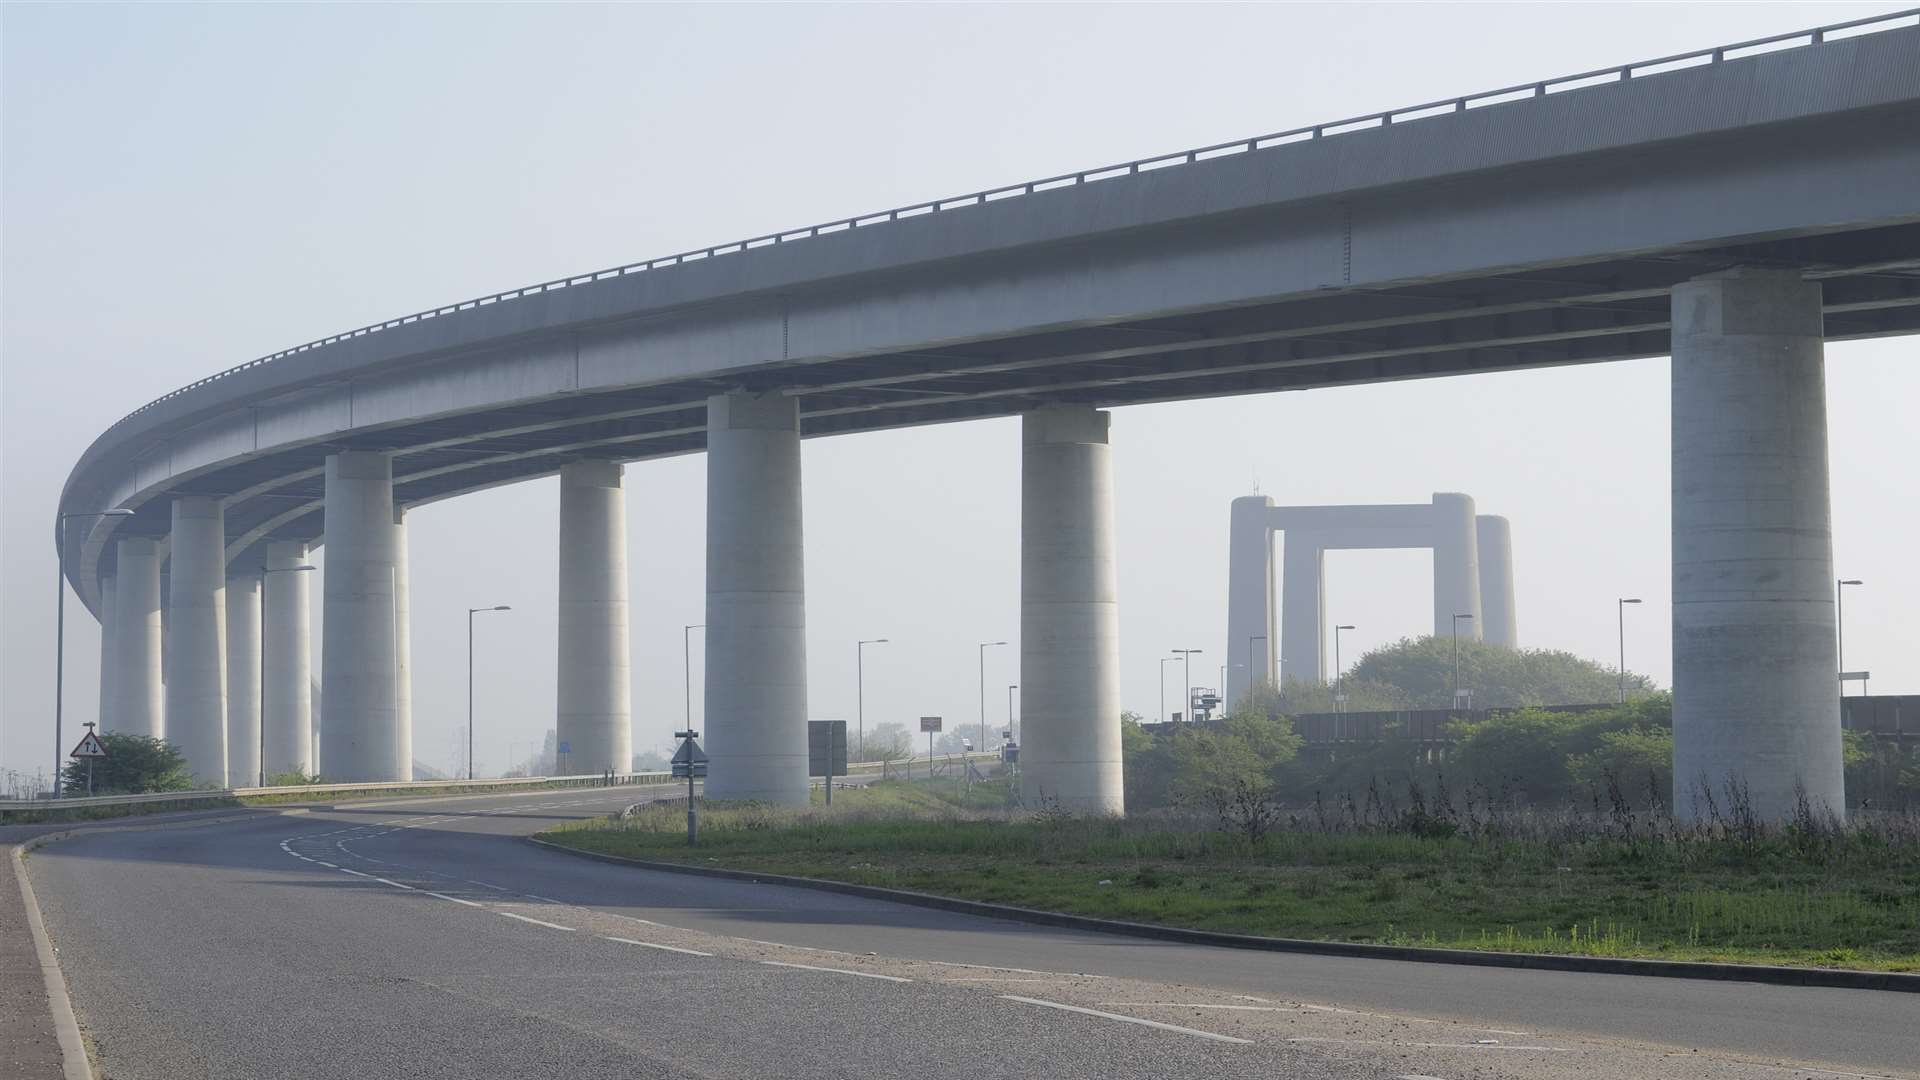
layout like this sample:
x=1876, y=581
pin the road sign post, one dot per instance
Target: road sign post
x=689, y=761
x=90, y=748
x=930, y=725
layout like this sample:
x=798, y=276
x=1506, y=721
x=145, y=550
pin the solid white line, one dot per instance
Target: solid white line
x=835, y=971
x=1430, y=1045
x=350, y=870
x=455, y=899
x=395, y=884
x=1127, y=1019
x=651, y=945
x=1187, y=1005
x=544, y=899
x=536, y=922
x=328, y=865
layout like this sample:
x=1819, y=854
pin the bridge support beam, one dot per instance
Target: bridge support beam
x=358, y=653
x=1251, y=644
x=197, y=638
x=756, y=601
x=594, y=713
x=1754, y=694
x=287, y=639
x=243, y=677
x=138, y=699
x=1495, y=540
x=1456, y=566
x=1069, y=614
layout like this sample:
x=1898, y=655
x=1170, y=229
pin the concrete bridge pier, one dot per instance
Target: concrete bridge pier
x=1069, y=613
x=196, y=664
x=594, y=713
x=243, y=676
x=1494, y=538
x=359, y=662
x=1251, y=642
x=109, y=654
x=287, y=638
x=1456, y=566
x=1303, y=606
x=1754, y=691
x=402, y=649
x=138, y=701
x=756, y=733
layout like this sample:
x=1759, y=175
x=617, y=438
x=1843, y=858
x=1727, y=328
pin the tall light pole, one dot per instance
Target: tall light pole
x=1188, y=654
x=1250, y=668
x=1622, y=608
x=60, y=625
x=471, y=612
x=1011, y=687
x=686, y=667
x=1840, y=625
x=1164, y=661
x=984, y=646
x=264, y=571
x=1339, y=674
x=860, y=693
x=1456, y=658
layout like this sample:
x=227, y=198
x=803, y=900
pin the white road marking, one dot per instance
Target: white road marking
x=395, y=884
x=484, y=885
x=546, y=899
x=663, y=948
x=455, y=899
x=992, y=979
x=350, y=870
x=323, y=862
x=1432, y=1045
x=1128, y=1019
x=1188, y=1005
x=835, y=971
x=536, y=922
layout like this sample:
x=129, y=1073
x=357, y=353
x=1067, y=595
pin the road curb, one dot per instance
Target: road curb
x=1601, y=965
x=66, y=1027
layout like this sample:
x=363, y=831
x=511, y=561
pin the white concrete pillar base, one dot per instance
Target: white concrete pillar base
x=594, y=711
x=196, y=662
x=359, y=650
x=287, y=639
x=139, y=698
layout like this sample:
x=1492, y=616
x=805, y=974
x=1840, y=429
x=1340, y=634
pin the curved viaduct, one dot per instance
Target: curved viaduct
x=1734, y=208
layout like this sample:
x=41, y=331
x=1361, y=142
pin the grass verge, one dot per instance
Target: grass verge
x=1852, y=904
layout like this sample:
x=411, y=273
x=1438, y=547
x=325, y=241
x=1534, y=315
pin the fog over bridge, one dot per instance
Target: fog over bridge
x=1735, y=208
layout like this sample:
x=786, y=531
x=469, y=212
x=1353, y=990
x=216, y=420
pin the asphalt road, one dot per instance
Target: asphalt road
x=423, y=939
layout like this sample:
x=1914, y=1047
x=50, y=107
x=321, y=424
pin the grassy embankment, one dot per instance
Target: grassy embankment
x=1556, y=886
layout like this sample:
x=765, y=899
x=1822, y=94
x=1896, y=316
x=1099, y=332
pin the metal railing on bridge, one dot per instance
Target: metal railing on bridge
x=1405, y=114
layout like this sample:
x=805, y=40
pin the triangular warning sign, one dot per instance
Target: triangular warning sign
x=90, y=746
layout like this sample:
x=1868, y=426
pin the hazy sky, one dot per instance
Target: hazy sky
x=187, y=187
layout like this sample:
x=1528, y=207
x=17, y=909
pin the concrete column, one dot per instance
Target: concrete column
x=756, y=601
x=288, y=695
x=1303, y=606
x=1754, y=691
x=197, y=638
x=1456, y=565
x=594, y=713
x=243, y=678
x=1250, y=637
x=1494, y=538
x=359, y=647
x=402, y=649
x=138, y=700
x=108, y=656
x=1069, y=614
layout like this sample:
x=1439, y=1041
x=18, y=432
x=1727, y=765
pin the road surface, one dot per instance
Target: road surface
x=423, y=938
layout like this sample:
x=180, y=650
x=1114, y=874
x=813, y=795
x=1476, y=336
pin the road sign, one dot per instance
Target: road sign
x=90, y=747
x=689, y=752
x=929, y=723
x=826, y=748
x=564, y=747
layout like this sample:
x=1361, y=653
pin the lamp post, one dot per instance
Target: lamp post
x=860, y=691
x=1339, y=674
x=1250, y=669
x=264, y=571
x=60, y=624
x=1188, y=668
x=1622, y=609
x=1456, y=658
x=471, y=612
x=1164, y=661
x=1011, y=687
x=1840, y=625
x=686, y=666
x=984, y=646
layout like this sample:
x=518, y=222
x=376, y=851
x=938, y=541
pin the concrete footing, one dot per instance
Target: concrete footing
x=196, y=661
x=1755, y=698
x=756, y=601
x=1069, y=614
x=594, y=711
x=358, y=661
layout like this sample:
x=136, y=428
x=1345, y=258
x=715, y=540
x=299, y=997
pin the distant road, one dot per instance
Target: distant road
x=422, y=939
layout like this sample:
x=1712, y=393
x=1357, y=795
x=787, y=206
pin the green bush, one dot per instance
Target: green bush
x=134, y=765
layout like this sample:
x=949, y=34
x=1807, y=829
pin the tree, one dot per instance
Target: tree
x=134, y=765
x=1534, y=752
x=885, y=742
x=1229, y=769
x=1420, y=671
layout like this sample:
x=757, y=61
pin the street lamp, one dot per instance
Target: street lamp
x=60, y=624
x=1339, y=675
x=471, y=612
x=1624, y=601
x=1456, y=658
x=1840, y=625
x=1250, y=669
x=860, y=665
x=264, y=571
x=1164, y=661
x=1188, y=667
x=984, y=646
x=1011, y=687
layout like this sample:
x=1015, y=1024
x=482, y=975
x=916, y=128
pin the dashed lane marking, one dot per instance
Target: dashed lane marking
x=652, y=945
x=455, y=899
x=835, y=971
x=1196, y=1032
x=536, y=922
x=1187, y=1005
